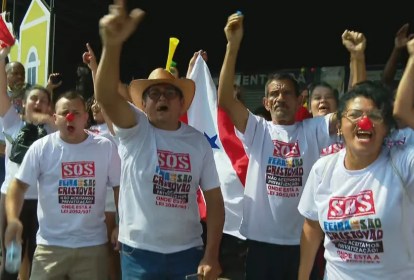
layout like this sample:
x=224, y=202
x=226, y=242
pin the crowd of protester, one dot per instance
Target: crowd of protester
x=109, y=184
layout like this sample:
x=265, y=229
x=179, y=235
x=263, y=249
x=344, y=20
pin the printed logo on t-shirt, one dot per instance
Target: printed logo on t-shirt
x=284, y=170
x=76, y=191
x=357, y=238
x=286, y=150
x=361, y=204
x=174, y=161
x=172, y=179
x=332, y=149
x=94, y=130
x=394, y=142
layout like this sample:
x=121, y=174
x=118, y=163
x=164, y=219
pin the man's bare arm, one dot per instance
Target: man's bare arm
x=115, y=28
x=226, y=99
x=404, y=100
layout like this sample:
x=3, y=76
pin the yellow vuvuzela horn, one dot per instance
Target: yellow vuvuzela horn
x=171, y=50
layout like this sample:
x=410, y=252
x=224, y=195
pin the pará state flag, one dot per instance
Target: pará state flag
x=229, y=155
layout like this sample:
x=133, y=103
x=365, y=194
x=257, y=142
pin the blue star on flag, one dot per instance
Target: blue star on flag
x=212, y=141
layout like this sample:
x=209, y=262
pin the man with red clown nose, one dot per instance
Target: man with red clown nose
x=72, y=171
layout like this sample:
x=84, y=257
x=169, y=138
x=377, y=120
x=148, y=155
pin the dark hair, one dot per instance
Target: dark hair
x=84, y=81
x=283, y=76
x=261, y=111
x=325, y=85
x=377, y=92
x=303, y=86
x=71, y=95
x=38, y=87
x=9, y=66
x=89, y=103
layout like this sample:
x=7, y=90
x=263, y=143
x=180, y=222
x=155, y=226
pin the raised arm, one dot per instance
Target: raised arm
x=226, y=99
x=404, y=100
x=53, y=82
x=193, y=60
x=400, y=43
x=5, y=102
x=115, y=28
x=41, y=118
x=89, y=59
x=355, y=43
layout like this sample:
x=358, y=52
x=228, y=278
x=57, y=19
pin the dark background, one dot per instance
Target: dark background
x=278, y=34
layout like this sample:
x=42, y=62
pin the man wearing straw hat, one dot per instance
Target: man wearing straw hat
x=163, y=163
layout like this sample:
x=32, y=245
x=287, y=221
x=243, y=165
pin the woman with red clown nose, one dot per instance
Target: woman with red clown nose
x=365, y=123
x=360, y=199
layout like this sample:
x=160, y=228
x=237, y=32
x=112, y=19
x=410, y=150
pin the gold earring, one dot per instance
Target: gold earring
x=339, y=134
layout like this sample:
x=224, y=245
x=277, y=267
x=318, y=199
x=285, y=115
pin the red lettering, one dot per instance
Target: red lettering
x=163, y=198
x=66, y=170
x=351, y=206
x=184, y=163
x=285, y=150
x=174, y=161
x=332, y=149
x=78, y=169
x=89, y=168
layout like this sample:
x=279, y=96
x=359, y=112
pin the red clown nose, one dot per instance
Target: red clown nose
x=365, y=123
x=70, y=117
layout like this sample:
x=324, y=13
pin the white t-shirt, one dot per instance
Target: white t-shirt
x=72, y=183
x=336, y=145
x=103, y=130
x=12, y=123
x=400, y=137
x=366, y=215
x=161, y=172
x=2, y=141
x=280, y=158
x=397, y=137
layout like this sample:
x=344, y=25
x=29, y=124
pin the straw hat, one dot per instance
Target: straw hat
x=162, y=76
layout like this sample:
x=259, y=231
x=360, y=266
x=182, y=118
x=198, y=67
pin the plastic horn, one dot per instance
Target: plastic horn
x=171, y=50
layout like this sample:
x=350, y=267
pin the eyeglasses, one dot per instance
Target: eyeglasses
x=354, y=115
x=168, y=93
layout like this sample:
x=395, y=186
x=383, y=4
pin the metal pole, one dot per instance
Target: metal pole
x=14, y=16
x=53, y=33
